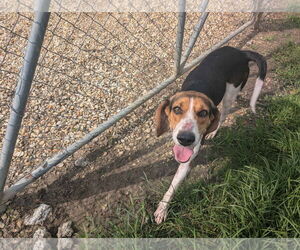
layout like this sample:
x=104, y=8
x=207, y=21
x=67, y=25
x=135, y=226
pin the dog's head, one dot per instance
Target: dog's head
x=190, y=115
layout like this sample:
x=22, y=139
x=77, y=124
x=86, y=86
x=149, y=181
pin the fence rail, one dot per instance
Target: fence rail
x=85, y=68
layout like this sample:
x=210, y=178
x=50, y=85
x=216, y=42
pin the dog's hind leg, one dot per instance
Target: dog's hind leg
x=227, y=102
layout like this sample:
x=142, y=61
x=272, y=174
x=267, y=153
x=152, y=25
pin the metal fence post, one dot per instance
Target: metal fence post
x=19, y=102
x=180, y=33
x=257, y=14
x=258, y=17
x=197, y=29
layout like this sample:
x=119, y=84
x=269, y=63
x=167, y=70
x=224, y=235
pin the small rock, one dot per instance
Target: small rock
x=63, y=244
x=42, y=244
x=16, y=214
x=81, y=162
x=104, y=207
x=65, y=230
x=41, y=233
x=15, y=230
x=2, y=225
x=40, y=214
x=19, y=223
x=4, y=217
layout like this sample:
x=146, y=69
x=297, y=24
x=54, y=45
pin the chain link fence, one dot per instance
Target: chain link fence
x=91, y=67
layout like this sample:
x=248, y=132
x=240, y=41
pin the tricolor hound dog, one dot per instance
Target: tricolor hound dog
x=192, y=113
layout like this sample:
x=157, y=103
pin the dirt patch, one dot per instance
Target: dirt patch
x=127, y=162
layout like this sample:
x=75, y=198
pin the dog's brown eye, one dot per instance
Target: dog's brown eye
x=202, y=113
x=177, y=110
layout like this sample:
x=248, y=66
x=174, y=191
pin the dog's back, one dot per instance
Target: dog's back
x=224, y=65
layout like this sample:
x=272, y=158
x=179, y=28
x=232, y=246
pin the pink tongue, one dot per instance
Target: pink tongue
x=182, y=154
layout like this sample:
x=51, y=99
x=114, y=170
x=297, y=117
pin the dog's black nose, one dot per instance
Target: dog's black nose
x=186, y=138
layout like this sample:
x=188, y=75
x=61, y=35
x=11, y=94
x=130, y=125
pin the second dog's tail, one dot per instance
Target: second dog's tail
x=262, y=66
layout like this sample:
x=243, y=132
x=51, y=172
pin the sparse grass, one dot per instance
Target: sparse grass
x=287, y=59
x=257, y=191
x=270, y=38
x=253, y=46
x=293, y=21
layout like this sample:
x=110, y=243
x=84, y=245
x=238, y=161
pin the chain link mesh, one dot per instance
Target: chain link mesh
x=91, y=66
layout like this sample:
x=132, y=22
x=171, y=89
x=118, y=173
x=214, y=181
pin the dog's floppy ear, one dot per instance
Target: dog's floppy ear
x=161, y=118
x=215, y=116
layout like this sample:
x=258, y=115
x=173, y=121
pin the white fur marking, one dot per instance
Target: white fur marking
x=257, y=89
x=189, y=118
x=184, y=168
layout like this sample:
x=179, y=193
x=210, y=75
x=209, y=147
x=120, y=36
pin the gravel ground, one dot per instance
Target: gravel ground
x=91, y=66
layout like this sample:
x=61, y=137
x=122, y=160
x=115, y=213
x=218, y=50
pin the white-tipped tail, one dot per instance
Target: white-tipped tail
x=258, y=85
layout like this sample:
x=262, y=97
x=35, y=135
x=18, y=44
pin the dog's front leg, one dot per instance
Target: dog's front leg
x=162, y=209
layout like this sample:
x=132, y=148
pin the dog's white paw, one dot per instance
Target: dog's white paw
x=211, y=135
x=161, y=212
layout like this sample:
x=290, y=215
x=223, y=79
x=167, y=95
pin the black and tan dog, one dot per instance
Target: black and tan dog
x=192, y=113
